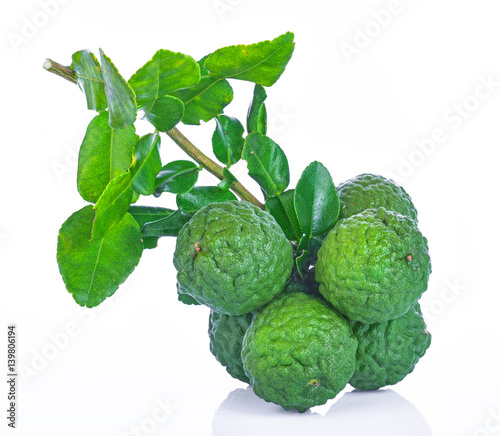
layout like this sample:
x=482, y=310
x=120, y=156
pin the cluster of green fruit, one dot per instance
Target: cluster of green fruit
x=298, y=340
x=316, y=288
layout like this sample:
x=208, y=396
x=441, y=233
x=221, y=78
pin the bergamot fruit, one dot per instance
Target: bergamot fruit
x=298, y=352
x=226, y=337
x=232, y=257
x=369, y=191
x=373, y=266
x=388, y=351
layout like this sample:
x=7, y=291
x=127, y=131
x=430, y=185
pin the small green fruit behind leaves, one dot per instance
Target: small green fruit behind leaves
x=90, y=80
x=93, y=270
x=227, y=140
x=316, y=200
x=120, y=96
x=176, y=177
x=267, y=163
x=202, y=196
x=105, y=153
x=261, y=63
x=257, y=115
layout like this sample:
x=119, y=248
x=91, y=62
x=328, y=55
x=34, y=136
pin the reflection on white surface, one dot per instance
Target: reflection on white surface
x=356, y=413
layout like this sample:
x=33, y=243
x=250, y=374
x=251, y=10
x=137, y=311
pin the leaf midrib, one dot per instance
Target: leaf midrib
x=94, y=271
x=256, y=65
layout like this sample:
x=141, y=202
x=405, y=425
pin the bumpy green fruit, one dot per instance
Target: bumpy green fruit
x=388, y=351
x=369, y=191
x=226, y=337
x=373, y=266
x=232, y=257
x=298, y=352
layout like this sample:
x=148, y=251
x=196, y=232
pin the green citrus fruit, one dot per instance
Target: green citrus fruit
x=232, y=257
x=388, y=351
x=298, y=352
x=373, y=266
x=369, y=191
x=226, y=336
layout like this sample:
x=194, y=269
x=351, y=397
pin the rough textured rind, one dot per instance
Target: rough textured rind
x=226, y=337
x=298, y=352
x=373, y=266
x=369, y=191
x=232, y=257
x=388, y=352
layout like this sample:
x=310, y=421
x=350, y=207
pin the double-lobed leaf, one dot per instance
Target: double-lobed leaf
x=227, y=139
x=201, y=196
x=257, y=115
x=206, y=99
x=120, y=95
x=261, y=63
x=118, y=195
x=89, y=79
x=316, y=200
x=105, y=153
x=147, y=163
x=177, y=177
x=267, y=163
x=165, y=73
x=93, y=270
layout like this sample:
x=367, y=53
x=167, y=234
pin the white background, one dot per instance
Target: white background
x=140, y=363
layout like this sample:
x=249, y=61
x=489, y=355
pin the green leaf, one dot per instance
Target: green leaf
x=316, y=200
x=282, y=208
x=227, y=140
x=169, y=226
x=307, y=254
x=120, y=95
x=177, y=177
x=104, y=154
x=267, y=163
x=119, y=194
x=261, y=63
x=93, y=270
x=205, y=100
x=89, y=79
x=147, y=214
x=164, y=73
x=228, y=180
x=257, y=115
x=165, y=113
x=201, y=196
x=147, y=163
x=113, y=204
